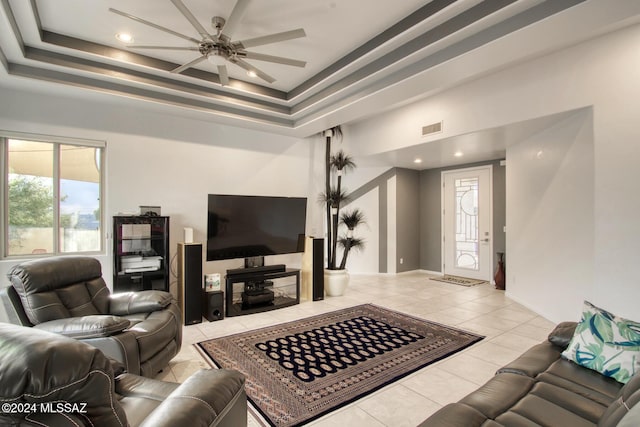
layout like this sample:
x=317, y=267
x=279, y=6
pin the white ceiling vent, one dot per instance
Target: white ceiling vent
x=432, y=128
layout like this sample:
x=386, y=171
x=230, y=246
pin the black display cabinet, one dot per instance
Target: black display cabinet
x=140, y=253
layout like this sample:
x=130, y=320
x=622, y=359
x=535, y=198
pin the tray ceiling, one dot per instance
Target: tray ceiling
x=353, y=49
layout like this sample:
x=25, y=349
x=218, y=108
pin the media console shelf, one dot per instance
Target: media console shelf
x=257, y=291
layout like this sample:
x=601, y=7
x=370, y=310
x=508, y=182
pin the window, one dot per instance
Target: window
x=53, y=194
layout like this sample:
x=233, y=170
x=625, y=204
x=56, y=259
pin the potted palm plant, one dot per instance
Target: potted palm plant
x=336, y=277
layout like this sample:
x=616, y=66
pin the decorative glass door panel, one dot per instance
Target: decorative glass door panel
x=467, y=235
x=467, y=249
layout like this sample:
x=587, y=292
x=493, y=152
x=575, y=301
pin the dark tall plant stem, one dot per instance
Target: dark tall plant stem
x=347, y=248
x=335, y=223
x=328, y=191
x=341, y=163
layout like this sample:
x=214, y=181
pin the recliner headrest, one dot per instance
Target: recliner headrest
x=60, y=287
x=48, y=274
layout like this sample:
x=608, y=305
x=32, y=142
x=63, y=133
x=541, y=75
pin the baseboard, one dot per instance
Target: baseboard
x=433, y=273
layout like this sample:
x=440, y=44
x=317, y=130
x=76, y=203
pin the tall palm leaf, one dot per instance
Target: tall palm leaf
x=352, y=219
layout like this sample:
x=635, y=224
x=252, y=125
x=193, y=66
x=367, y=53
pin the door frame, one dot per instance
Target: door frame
x=488, y=167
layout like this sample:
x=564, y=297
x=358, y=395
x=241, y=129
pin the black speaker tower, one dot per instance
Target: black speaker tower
x=190, y=290
x=318, y=269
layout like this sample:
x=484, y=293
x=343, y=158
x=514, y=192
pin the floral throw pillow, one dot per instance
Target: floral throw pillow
x=606, y=343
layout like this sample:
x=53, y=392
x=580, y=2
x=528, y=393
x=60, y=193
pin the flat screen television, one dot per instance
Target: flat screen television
x=254, y=226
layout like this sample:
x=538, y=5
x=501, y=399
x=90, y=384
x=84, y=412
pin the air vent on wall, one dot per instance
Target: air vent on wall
x=432, y=128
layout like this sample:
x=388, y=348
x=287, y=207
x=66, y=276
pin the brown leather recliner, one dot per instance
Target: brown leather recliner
x=52, y=380
x=67, y=295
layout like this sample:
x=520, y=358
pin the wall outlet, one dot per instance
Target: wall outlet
x=401, y=260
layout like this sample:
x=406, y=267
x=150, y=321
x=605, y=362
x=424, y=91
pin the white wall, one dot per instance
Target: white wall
x=602, y=74
x=550, y=218
x=172, y=162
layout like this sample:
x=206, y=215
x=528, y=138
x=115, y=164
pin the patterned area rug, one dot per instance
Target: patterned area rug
x=299, y=371
x=457, y=280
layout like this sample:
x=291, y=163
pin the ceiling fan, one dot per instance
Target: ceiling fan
x=220, y=44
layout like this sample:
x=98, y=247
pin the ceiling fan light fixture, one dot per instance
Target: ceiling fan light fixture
x=124, y=37
x=213, y=47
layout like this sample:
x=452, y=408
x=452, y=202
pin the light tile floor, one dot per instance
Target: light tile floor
x=509, y=328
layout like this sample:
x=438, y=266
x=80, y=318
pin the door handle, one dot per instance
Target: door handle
x=486, y=240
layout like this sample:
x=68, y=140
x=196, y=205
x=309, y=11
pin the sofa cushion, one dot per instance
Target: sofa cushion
x=574, y=403
x=606, y=343
x=499, y=394
x=579, y=380
x=534, y=361
x=542, y=412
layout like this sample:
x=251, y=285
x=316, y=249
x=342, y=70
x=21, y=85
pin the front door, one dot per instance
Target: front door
x=467, y=249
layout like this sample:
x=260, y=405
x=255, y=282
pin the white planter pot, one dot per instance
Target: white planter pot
x=335, y=282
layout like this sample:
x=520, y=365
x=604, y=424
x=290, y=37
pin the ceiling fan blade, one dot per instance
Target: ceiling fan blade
x=276, y=59
x=192, y=19
x=234, y=19
x=223, y=74
x=271, y=38
x=189, y=64
x=264, y=76
x=151, y=24
x=135, y=46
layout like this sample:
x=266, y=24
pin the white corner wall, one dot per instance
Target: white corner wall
x=600, y=74
x=169, y=161
x=550, y=218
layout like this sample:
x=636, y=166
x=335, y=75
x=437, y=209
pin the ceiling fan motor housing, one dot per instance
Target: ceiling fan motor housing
x=218, y=22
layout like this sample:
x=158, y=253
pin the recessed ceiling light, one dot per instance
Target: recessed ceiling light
x=417, y=161
x=458, y=154
x=251, y=73
x=124, y=37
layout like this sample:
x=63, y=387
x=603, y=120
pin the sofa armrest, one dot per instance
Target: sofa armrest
x=562, y=334
x=86, y=326
x=124, y=303
x=205, y=396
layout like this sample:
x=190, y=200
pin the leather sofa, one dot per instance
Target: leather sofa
x=52, y=380
x=540, y=388
x=67, y=295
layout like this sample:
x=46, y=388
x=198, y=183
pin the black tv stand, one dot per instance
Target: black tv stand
x=252, y=271
x=257, y=289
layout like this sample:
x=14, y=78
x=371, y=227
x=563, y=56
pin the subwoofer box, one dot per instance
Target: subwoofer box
x=214, y=306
